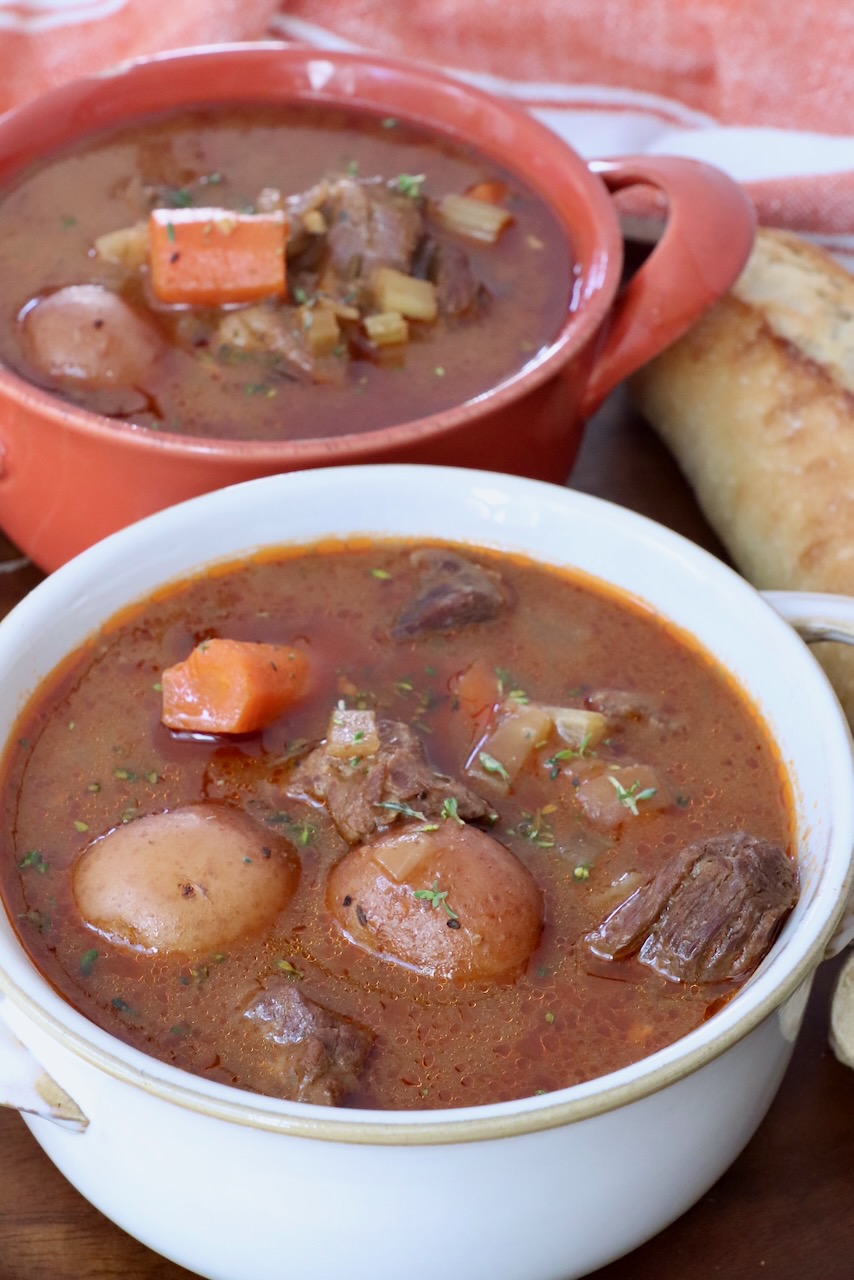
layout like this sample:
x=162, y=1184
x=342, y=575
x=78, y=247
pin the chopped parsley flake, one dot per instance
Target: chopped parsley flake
x=33, y=859
x=409, y=184
x=179, y=198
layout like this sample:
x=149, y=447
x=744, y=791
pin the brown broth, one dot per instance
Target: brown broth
x=51, y=217
x=90, y=752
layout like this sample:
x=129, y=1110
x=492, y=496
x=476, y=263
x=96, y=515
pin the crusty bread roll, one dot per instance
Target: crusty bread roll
x=756, y=403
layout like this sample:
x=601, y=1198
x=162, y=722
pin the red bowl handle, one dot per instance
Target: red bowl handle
x=706, y=242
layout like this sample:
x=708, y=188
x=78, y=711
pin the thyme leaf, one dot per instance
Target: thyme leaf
x=437, y=898
x=629, y=796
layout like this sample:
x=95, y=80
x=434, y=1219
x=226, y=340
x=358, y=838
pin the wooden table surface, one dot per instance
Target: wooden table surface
x=784, y=1211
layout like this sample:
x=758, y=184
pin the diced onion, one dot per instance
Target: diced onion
x=127, y=247
x=620, y=795
x=352, y=734
x=578, y=727
x=520, y=729
x=314, y=222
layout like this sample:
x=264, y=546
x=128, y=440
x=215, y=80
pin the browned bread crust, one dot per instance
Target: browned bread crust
x=756, y=403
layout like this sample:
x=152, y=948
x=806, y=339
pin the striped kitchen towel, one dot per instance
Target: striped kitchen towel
x=765, y=92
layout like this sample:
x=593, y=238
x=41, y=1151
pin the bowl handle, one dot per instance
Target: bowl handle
x=24, y=1086
x=706, y=242
x=820, y=617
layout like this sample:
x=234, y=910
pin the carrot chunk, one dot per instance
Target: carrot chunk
x=232, y=686
x=491, y=192
x=210, y=257
x=475, y=690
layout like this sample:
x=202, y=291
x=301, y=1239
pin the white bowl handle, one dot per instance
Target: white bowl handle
x=816, y=616
x=26, y=1087
x=819, y=617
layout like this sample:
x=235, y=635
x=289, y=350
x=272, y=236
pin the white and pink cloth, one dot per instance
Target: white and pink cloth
x=764, y=91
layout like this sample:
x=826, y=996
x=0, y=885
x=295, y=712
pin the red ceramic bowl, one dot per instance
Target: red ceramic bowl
x=68, y=477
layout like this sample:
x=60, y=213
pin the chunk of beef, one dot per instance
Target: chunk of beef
x=305, y=249
x=453, y=593
x=447, y=265
x=370, y=226
x=710, y=914
x=361, y=795
x=307, y=1053
x=272, y=330
x=632, y=704
x=277, y=333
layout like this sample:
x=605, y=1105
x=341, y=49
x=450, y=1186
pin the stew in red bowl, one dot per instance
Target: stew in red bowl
x=275, y=273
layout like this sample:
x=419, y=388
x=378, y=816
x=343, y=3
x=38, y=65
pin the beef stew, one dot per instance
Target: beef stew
x=275, y=273
x=438, y=868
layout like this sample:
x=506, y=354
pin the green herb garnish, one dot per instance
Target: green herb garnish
x=629, y=796
x=400, y=806
x=536, y=828
x=33, y=858
x=409, y=184
x=121, y=1005
x=491, y=765
x=567, y=753
x=450, y=810
x=437, y=898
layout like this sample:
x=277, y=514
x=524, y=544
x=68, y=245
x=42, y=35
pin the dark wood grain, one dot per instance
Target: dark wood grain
x=784, y=1211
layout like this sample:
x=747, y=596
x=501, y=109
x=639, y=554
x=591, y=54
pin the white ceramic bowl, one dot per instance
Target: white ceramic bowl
x=239, y=1187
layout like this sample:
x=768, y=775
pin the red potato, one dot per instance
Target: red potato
x=88, y=336
x=232, y=686
x=213, y=257
x=451, y=902
x=187, y=881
